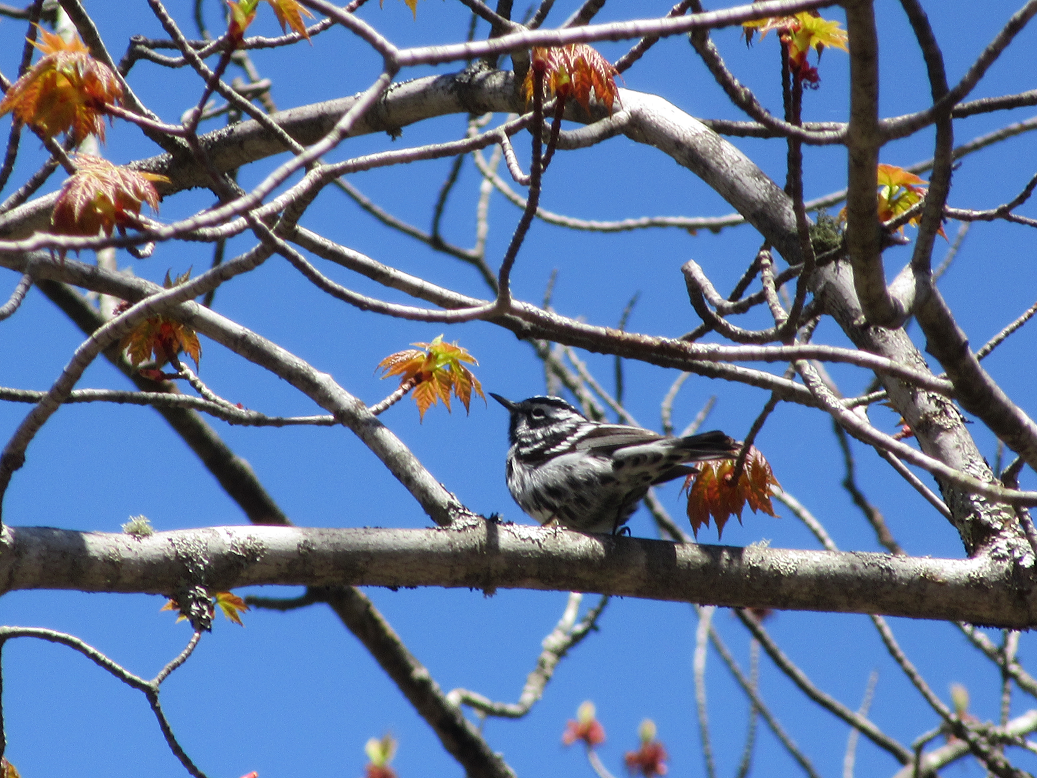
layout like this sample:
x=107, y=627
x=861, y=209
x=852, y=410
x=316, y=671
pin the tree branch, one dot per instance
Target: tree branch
x=489, y=556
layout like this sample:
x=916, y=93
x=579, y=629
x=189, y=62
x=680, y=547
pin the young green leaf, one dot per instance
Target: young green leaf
x=434, y=371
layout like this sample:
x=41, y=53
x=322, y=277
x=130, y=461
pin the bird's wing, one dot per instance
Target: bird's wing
x=609, y=438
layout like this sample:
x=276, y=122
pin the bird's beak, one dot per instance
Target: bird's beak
x=505, y=402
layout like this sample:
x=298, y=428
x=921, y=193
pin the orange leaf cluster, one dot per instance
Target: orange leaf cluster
x=229, y=604
x=711, y=493
x=7, y=769
x=574, y=70
x=163, y=338
x=66, y=91
x=899, y=191
x=173, y=605
x=436, y=371
x=100, y=196
x=800, y=33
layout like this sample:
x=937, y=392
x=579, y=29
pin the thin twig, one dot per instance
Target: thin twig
x=1009, y=652
x=15, y=300
x=622, y=325
x=1023, y=679
x=752, y=692
x=850, y=759
x=177, y=661
x=229, y=414
x=746, y=762
x=1000, y=338
x=150, y=689
x=833, y=706
x=705, y=614
x=870, y=512
x=952, y=252
x=567, y=634
x=535, y=171
x=397, y=394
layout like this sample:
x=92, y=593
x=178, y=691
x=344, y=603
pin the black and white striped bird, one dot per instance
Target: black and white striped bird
x=590, y=476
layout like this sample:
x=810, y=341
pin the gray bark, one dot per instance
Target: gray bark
x=489, y=556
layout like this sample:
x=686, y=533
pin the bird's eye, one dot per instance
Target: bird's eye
x=537, y=413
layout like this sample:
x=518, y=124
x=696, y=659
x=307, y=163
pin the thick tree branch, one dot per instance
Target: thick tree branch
x=488, y=556
x=863, y=141
x=937, y=424
x=459, y=736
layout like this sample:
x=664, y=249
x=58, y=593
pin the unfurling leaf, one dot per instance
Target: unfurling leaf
x=574, y=70
x=435, y=371
x=289, y=14
x=650, y=759
x=101, y=196
x=960, y=701
x=229, y=603
x=173, y=605
x=799, y=34
x=960, y=698
x=232, y=606
x=242, y=12
x=66, y=91
x=711, y=493
x=162, y=338
x=898, y=192
x=586, y=729
x=411, y=4
x=380, y=752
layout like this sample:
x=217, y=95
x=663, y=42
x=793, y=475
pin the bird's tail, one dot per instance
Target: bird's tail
x=711, y=445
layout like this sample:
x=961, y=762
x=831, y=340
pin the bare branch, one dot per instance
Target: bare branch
x=980, y=590
x=752, y=692
x=566, y=635
x=698, y=663
x=906, y=125
x=861, y=724
x=15, y=300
